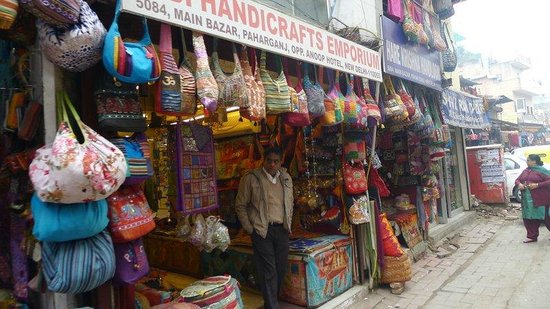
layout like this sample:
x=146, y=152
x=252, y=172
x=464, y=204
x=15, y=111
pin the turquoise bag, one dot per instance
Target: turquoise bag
x=63, y=222
x=134, y=63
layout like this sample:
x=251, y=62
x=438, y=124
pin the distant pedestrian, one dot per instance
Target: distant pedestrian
x=534, y=183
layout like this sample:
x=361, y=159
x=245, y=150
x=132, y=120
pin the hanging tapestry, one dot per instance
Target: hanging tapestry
x=194, y=168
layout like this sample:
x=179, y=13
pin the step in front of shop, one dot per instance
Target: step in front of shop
x=438, y=233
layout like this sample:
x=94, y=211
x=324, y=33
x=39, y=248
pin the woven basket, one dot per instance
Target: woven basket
x=396, y=269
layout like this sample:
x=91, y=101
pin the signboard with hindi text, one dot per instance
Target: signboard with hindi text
x=253, y=24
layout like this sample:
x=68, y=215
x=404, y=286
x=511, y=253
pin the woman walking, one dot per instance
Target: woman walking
x=534, y=183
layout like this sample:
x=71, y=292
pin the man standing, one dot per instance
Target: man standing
x=264, y=205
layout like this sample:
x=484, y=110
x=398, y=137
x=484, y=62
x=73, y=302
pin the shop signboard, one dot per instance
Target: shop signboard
x=253, y=24
x=409, y=60
x=463, y=110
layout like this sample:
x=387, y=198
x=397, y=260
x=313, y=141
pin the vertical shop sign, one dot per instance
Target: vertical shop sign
x=256, y=25
x=408, y=60
x=463, y=110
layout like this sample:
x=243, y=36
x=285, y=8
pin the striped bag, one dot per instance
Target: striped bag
x=254, y=87
x=8, y=13
x=277, y=95
x=169, y=86
x=80, y=265
x=137, y=153
x=58, y=13
x=207, y=87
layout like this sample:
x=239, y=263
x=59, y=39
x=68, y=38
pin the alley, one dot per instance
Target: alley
x=491, y=269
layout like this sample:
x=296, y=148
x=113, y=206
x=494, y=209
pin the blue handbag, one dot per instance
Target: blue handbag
x=80, y=265
x=135, y=62
x=64, y=222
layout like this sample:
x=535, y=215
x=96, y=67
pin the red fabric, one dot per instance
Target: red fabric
x=376, y=181
x=390, y=244
x=354, y=178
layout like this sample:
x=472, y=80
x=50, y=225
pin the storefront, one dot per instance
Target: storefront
x=184, y=159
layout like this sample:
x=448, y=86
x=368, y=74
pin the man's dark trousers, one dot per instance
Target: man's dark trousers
x=271, y=258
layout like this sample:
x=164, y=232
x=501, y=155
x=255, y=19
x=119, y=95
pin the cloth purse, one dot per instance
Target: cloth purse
x=80, y=265
x=449, y=55
x=58, y=13
x=207, y=87
x=64, y=222
x=78, y=47
x=373, y=111
x=80, y=165
x=355, y=179
x=194, y=168
x=8, y=13
x=359, y=211
x=129, y=214
x=277, y=95
x=131, y=262
x=165, y=103
x=299, y=116
x=134, y=63
x=137, y=152
x=118, y=107
x=333, y=102
x=315, y=94
x=350, y=105
x=232, y=88
x=254, y=87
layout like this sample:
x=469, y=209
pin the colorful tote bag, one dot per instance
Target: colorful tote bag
x=130, y=62
x=354, y=178
x=277, y=95
x=195, y=168
x=232, y=88
x=333, y=102
x=315, y=94
x=129, y=214
x=80, y=265
x=131, y=262
x=169, y=86
x=80, y=165
x=299, y=116
x=137, y=152
x=77, y=48
x=254, y=87
x=64, y=222
x=207, y=87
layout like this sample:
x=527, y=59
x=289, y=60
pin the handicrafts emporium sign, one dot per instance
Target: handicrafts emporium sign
x=463, y=110
x=250, y=23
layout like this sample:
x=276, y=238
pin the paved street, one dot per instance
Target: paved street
x=492, y=268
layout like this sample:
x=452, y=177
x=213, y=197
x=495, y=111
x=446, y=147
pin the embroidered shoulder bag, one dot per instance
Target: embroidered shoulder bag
x=277, y=95
x=135, y=63
x=315, y=94
x=299, y=116
x=333, y=102
x=207, y=87
x=355, y=179
x=254, y=87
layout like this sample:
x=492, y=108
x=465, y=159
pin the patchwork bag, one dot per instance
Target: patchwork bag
x=130, y=62
x=333, y=102
x=207, y=87
x=219, y=292
x=355, y=179
x=80, y=165
x=137, y=152
x=58, y=13
x=254, y=87
x=80, y=265
x=76, y=48
x=129, y=214
x=131, y=262
x=8, y=13
x=315, y=94
x=277, y=95
x=355, y=146
x=194, y=168
x=350, y=105
x=232, y=88
x=118, y=106
x=65, y=222
x=299, y=116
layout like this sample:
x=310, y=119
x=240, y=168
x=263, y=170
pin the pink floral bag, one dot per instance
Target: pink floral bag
x=80, y=165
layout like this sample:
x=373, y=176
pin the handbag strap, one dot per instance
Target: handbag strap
x=448, y=37
x=165, y=44
x=183, y=50
x=145, y=38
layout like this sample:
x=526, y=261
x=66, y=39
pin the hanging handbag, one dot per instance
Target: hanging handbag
x=130, y=62
x=207, y=87
x=448, y=56
x=350, y=104
x=76, y=48
x=131, y=262
x=277, y=95
x=138, y=157
x=355, y=179
x=65, y=222
x=394, y=107
x=58, y=13
x=78, y=266
x=118, y=106
x=254, y=87
x=395, y=10
x=232, y=88
x=80, y=165
x=299, y=116
x=361, y=105
x=314, y=92
x=168, y=95
x=129, y=214
x=443, y=8
x=354, y=146
x=373, y=110
x=194, y=168
x=333, y=102
x=8, y=13
x=359, y=210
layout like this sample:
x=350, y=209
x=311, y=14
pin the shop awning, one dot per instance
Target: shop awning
x=501, y=99
x=505, y=125
x=463, y=110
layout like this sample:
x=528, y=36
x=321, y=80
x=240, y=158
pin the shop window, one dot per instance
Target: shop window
x=308, y=10
x=520, y=105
